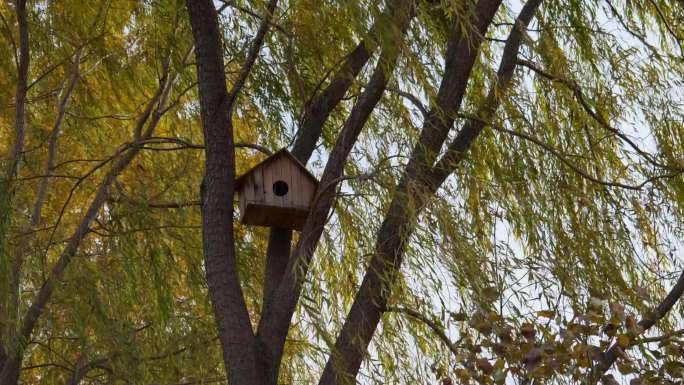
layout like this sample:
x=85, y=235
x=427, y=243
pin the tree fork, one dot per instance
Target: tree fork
x=316, y=113
x=275, y=324
x=371, y=300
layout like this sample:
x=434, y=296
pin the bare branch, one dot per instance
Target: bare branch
x=273, y=24
x=54, y=134
x=664, y=337
x=163, y=205
x=254, y=146
x=438, y=330
x=411, y=98
x=185, y=144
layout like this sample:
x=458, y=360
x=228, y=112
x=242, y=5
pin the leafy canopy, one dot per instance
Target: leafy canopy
x=561, y=229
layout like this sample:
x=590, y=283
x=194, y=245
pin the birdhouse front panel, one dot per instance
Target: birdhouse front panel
x=276, y=192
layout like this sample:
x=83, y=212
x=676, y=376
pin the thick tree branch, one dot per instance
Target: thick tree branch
x=240, y=352
x=462, y=51
x=472, y=128
x=321, y=105
x=316, y=113
x=277, y=256
x=275, y=322
x=397, y=227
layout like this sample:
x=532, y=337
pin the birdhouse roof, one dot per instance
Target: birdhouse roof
x=282, y=153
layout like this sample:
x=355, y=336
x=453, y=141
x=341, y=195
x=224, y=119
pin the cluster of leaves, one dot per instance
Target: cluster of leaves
x=549, y=348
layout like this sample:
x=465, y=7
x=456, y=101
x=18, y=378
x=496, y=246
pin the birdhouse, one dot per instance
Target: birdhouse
x=276, y=192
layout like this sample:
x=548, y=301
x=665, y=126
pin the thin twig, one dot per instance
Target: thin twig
x=254, y=49
x=439, y=331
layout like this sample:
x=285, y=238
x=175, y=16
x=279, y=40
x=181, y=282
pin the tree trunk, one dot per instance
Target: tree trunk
x=9, y=311
x=234, y=326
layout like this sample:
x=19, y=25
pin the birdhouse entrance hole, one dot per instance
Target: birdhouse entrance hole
x=280, y=188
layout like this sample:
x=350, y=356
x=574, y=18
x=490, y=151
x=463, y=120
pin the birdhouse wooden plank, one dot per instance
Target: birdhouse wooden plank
x=276, y=192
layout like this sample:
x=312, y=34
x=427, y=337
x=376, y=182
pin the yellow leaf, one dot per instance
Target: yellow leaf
x=623, y=340
x=546, y=313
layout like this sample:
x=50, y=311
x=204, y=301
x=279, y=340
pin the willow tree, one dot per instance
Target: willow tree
x=82, y=292
x=501, y=194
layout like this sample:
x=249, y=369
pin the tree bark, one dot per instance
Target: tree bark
x=240, y=354
x=22, y=88
x=9, y=312
x=277, y=256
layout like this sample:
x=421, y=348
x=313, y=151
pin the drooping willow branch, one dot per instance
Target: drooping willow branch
x=255, y=15
x=184, y=144
x=596, y=115
x=145, y=125
x=548, y=148
x=254, y=49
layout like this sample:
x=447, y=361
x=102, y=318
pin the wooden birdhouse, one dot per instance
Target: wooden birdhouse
x=276, y=192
